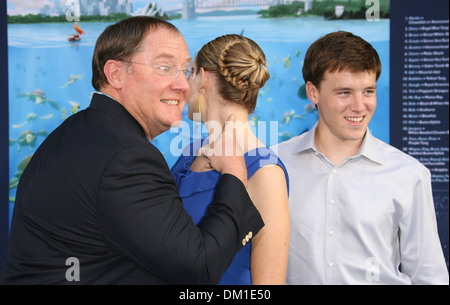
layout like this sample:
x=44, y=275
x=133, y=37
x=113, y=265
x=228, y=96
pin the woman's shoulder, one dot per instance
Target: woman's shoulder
x=262, y=157
x=268, y=165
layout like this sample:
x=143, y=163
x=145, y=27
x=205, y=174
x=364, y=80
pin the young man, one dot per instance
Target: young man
x=362, y=211
x=97, y=203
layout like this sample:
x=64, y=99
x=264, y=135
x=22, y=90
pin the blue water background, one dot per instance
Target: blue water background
x=40, y=57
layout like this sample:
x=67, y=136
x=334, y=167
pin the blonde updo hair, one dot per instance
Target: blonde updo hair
x=240, y=67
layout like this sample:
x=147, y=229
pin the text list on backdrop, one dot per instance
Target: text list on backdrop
x=419, y=98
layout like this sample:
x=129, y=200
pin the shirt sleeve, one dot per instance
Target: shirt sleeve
x=144, y=220
x=422, y=258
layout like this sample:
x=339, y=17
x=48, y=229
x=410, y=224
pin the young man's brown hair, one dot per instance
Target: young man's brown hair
x=337, y=52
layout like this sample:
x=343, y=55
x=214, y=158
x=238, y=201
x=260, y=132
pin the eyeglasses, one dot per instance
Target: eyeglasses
x=166, y=71
x=192, y=73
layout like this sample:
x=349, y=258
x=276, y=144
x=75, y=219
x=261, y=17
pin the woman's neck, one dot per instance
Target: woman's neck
x=244, y=134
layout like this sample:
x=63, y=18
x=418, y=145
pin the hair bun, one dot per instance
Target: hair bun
x=242, y=65
x=238, y=64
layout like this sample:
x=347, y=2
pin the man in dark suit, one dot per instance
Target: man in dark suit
x=97, y=203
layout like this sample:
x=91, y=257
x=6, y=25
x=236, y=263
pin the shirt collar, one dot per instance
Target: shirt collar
x=306, y=141
x=369, y=147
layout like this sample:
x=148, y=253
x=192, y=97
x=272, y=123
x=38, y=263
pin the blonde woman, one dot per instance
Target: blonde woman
x=225, y=78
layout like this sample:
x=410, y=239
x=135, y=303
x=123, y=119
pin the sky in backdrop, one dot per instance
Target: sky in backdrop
x=24, y=7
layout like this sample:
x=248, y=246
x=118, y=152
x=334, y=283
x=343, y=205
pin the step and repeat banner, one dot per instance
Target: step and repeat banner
x=46, y=48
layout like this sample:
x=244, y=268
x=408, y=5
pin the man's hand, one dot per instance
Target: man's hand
x=225, y=153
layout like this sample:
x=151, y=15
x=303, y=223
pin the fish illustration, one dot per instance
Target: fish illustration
x=289, y=116
x=32, y=117
x=284, y=136
x=75, y=107
x=311, y=107
x=21, y=167
x=46, y=117
x=64, y=113
x=287, y=61
x=13, y=183
x=72, y=78
x=254, y=120
x=23, y=164
x=27, y=138
x=39, y=98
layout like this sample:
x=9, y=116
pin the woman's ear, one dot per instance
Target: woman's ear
x=113, y=72
x=204, y=78
x=312, y=92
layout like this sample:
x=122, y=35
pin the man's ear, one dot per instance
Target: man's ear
x=312, y=92
x=113, y=71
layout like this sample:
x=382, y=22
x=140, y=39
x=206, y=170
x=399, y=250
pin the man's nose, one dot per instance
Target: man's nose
x=358, y=102
x=181, y=83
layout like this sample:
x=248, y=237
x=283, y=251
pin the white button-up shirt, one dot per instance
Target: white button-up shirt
x=356, y=223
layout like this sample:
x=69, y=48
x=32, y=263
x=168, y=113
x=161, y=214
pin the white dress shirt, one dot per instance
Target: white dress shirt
x=356, y=223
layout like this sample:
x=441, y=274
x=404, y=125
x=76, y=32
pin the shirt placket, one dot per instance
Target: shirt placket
x=331, y=246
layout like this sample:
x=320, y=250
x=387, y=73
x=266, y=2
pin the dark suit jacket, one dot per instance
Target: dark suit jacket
x=98, y=191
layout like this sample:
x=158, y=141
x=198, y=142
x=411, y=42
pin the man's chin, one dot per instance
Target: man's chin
x=176, y=123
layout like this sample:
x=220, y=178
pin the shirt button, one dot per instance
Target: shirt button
x=332, y=201
x=331, y=233
x=331, y=264
x=334, y=171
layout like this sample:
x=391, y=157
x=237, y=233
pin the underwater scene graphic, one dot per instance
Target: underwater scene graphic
x=50, y=78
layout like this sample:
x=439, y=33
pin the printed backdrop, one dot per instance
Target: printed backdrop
x=50, y=74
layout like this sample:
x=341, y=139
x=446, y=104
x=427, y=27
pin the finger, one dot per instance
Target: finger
x=202, y=151
x=213, y=137
x=199, y=152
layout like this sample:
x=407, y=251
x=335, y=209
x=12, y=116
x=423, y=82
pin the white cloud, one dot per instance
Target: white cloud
x=23, y=7
x=166, y=4
x=29, y=4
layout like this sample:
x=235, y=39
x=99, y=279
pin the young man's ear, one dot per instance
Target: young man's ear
x=113, y=70
x=312, y=92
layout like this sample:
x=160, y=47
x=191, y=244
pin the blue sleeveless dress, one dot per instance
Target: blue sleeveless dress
x=197, y=192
